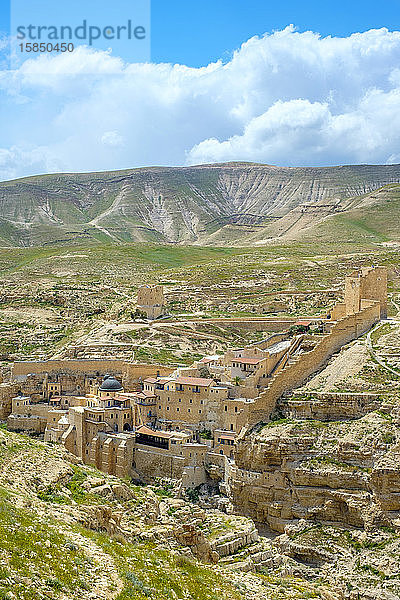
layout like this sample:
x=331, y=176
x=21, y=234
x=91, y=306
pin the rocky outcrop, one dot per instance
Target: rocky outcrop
x=333, y=406
x=341, y=473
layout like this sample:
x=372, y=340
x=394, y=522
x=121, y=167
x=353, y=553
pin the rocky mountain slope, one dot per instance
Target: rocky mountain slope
x=207, y=204
x=325, y=472
x=69, y=531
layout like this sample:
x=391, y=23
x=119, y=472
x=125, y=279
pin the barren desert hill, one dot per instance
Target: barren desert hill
x=219, y=203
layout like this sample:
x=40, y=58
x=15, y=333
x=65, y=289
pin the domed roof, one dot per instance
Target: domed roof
x=110, y=384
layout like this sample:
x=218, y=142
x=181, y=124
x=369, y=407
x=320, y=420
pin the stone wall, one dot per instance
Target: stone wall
x=151, y=462
x=7, y=393
x=261, y=324
x=95, y=366
x=294, y=374
x=134, y=373
x=368, y=283
x=80, y=371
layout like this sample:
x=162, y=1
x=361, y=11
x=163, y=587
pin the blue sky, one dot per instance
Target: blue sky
x=196, y=33
x=242, y=85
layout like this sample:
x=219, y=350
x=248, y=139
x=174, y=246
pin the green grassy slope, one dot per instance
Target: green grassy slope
x=374, y=218
x=63, y=537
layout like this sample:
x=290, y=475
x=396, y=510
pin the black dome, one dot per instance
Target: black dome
x=110, y=384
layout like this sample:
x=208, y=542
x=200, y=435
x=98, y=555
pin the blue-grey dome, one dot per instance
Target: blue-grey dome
x=110, y=384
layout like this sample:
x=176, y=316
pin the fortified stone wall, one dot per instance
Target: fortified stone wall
x=62, y=369
x=266, y=324
x=151, y=462
x=112, y=454
x=86, y=367
x=134, y=373
x=7, y=392
x=294, y=374
x=368, y=283
x=32, y=417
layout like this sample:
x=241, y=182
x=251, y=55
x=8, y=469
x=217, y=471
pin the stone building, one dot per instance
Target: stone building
x=361, y=287
x=150, y=299
x=148, y=420
x=108, y=411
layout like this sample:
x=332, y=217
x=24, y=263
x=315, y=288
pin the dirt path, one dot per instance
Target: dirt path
x=374, y=355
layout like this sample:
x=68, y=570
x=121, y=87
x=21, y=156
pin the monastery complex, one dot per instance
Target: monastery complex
x=145, y=421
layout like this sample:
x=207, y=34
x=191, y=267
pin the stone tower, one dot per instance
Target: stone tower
x=367, y=283
x=151, y=300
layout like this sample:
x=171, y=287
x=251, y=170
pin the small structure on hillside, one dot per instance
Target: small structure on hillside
x=363, y=286
x=151, y=301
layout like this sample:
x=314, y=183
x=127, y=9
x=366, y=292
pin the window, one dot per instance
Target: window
x=167, y=407
x=236, y=408
x=188, y=409
x=200, y=412
x=231, y=426
x=160, y=407
x=191, y=401
x=177, y=410
x=226, y=409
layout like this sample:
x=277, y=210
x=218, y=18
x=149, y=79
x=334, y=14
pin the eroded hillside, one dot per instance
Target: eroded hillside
x=70, y=531
x=205, y=204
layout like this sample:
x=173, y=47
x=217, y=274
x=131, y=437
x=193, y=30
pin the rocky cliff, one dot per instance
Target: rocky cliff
x=335, y=473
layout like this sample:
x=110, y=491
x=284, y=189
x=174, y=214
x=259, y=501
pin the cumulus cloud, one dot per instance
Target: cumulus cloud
x=32, y=160
x=112, y=139
x=286, y=98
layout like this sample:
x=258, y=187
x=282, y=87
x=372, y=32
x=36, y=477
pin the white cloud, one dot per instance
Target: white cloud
x=287, y=98
x=33, y=160
x=112, y=139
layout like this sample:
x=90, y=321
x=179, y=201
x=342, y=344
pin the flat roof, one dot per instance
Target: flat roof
x=209, y=358
x=201, y=381
x=147, y=431
x=143, y=394
x=248, y=361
